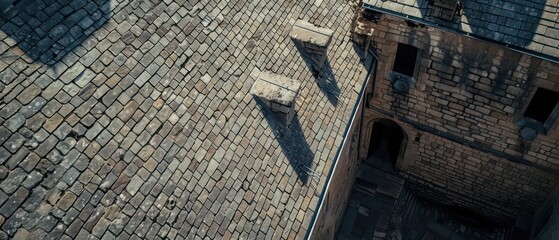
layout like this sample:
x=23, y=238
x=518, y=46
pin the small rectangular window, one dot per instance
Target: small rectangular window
x=542, y=105
x=405, y=59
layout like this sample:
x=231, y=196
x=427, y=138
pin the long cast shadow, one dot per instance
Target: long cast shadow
x=291, y=140
x=505, y=21
x=47, y=30
x=323, y=75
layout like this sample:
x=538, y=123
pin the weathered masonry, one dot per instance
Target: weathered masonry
x=278, y=93
x=475, y=89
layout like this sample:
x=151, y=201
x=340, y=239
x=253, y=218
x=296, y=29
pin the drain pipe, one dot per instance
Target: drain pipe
x=374, y=68
x=360, y=100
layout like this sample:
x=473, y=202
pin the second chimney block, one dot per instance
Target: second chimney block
x=278, y=93
x=314, y=40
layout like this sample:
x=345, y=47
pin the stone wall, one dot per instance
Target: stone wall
x=461, y=118
x=337, y=195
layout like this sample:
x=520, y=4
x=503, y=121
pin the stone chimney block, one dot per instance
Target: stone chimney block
x=9, y=8
x=314, y=40
x=278, y=93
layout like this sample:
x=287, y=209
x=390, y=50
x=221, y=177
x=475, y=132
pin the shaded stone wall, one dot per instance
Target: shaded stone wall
x=337, y=195
x=477, y=180
x=545, y=223
x=461, y=114
x=551, y=230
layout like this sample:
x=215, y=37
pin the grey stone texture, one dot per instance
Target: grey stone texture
x=313, y=40
x=277, y=92
x=276, y=88
x=528, y=24
x=308, y=33
x=134, y=119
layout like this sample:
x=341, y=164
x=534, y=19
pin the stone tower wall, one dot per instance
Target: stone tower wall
x=461, y=117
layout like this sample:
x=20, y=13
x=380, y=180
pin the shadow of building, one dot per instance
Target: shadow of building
x=513, y=23
x=47, y=30
x=292, y=142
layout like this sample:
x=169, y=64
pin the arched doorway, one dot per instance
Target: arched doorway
x=386, y=145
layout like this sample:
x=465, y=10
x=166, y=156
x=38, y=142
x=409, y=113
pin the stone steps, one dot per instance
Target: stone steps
x=378, y=191
x=408, y=204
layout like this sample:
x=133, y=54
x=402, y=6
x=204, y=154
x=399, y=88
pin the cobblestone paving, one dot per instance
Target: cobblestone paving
x=133, y=119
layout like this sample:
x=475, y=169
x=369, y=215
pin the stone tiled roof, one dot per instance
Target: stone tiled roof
x=133, y=119
x=527, y=24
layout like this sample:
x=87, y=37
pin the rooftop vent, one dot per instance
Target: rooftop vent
x=278, y=93
x=444, y=9
x=314, y=40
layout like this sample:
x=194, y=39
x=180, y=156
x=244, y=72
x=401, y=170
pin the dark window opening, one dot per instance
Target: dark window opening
x=542, y=105
x=386, y=143
x=405, y=59
x=418, y=137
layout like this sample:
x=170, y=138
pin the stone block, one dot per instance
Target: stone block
x=278, y=93
x=308, y=33
x=314, y=40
